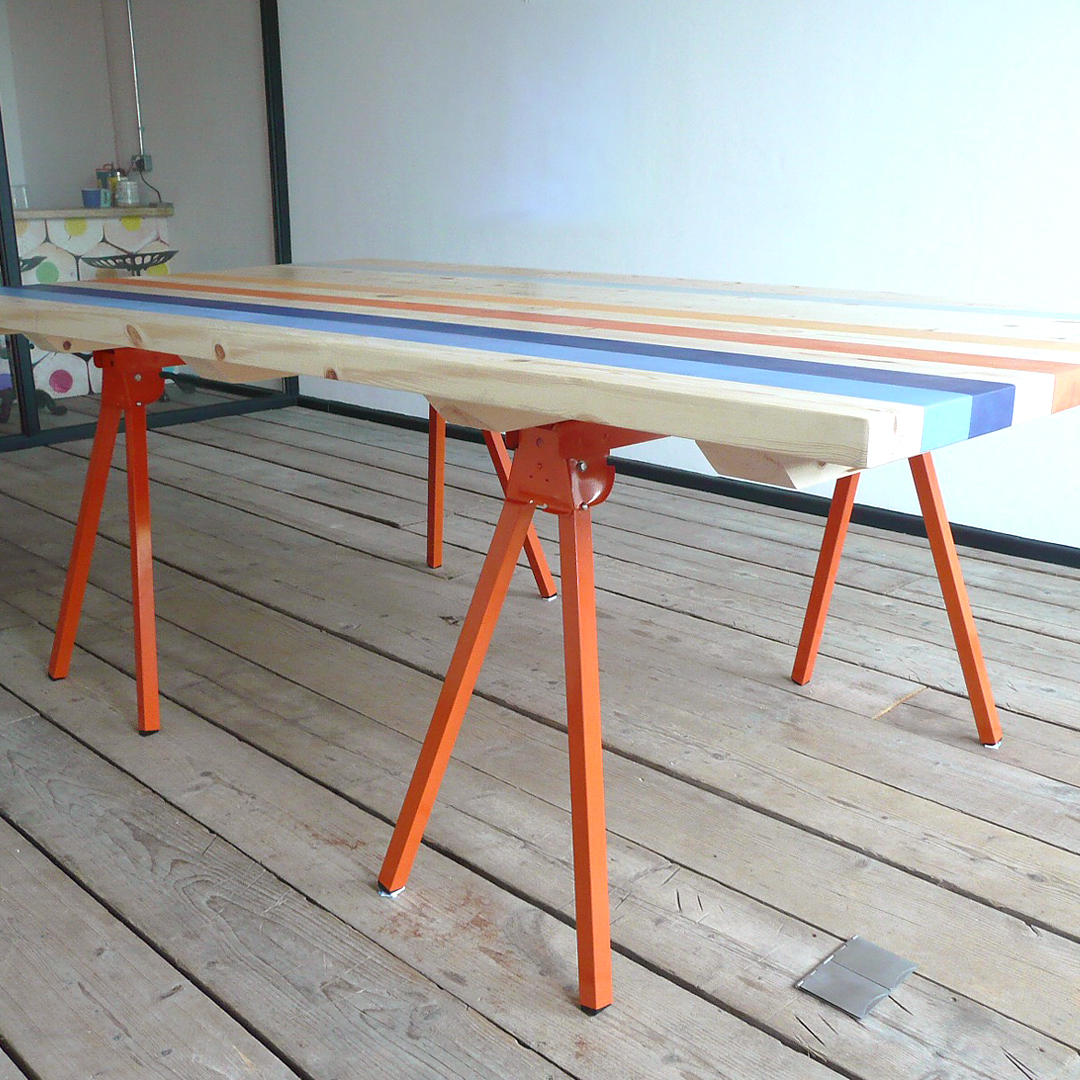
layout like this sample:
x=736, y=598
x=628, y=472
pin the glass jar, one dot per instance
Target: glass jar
x=127, y=193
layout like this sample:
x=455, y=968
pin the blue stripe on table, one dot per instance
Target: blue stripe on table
x=957, y=408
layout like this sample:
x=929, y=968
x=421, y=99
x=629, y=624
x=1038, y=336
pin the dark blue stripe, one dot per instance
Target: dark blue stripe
x=992, y=403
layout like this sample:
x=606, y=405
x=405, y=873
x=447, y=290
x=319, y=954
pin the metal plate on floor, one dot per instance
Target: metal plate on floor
x=857, y=976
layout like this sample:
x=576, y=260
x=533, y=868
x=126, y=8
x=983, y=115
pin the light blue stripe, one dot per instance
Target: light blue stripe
x=947, y=415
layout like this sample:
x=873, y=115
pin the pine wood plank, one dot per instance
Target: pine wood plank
x=497, y=392
x=81, y=995
x=497, y=953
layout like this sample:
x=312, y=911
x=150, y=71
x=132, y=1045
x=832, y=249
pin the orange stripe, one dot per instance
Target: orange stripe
x=703, y=316
x=1066, y=381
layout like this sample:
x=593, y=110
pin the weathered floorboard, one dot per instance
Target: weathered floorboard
x=753, y=824
x=493, y=951
x=81, y=995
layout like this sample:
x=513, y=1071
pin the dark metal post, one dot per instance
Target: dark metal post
x=10, y=274
x=275, y=130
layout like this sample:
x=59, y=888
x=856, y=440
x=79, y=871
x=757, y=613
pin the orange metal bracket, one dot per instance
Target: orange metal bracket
x=131, y=379
x=500, y=458
x=437, y=500
x=561, y=468
x=950, y=578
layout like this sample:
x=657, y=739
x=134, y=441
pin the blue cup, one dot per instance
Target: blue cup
x=94, y=198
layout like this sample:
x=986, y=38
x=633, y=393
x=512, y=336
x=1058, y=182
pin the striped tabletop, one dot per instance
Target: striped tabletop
x=786, y=385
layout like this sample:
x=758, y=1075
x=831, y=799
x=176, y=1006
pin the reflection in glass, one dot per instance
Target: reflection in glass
x=10, y=420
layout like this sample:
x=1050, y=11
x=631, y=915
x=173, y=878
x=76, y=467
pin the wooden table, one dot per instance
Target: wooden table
x=782, y=385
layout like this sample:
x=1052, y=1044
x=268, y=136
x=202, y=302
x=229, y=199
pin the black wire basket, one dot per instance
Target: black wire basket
x=135, y=262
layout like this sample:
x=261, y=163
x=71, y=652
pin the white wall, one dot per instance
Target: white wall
x=910, y=145
x=61, y=88
x=204, y=115
x=70, y=107
x=9, y=102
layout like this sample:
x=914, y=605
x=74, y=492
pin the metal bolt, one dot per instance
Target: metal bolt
x=138, y=377
x=582, y=466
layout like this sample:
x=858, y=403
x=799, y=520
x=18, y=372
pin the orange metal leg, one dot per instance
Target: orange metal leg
x=142, y=571
x=436, y=486
x=460, y=680
x=832, y=547
x=82, y=550
x=586, y=765
x=131, y=379
x=500, y=458
x=565, y=468
x=955, y=595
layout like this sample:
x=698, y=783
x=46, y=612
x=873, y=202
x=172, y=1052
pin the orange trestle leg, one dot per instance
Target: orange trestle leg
x=586, y=760
x=950, y=578
x=563, y=467
x=142, y=570
x=131, y=379
x=832, y=547
x=457, y=688
x=436, y=491
x=955, y=596
x=82, y=550
x=500, y=458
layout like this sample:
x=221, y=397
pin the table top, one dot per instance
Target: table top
x=784, y=385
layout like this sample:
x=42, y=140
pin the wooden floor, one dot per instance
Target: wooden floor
x=202, y=903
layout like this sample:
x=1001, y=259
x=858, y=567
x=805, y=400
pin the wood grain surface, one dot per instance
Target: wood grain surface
x=753, y=824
